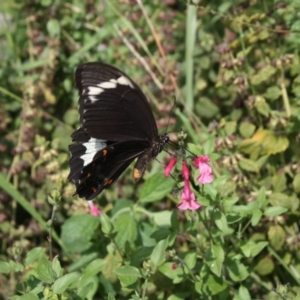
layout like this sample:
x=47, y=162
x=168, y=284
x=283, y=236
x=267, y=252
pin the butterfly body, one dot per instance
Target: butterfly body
x=117, y=127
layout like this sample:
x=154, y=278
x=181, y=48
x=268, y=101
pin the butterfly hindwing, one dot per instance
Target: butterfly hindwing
x=106, y=166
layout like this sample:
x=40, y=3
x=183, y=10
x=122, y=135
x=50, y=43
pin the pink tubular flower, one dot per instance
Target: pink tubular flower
x=95, y=211
x=206, y=175
x=188, y=198
x=170, y=166
x=185, y=171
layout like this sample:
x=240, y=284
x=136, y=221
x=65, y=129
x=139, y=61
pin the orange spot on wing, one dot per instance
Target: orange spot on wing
x=108, y=182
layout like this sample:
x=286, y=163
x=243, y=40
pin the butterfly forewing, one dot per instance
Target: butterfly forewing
x=112, y=106
x=117, y=126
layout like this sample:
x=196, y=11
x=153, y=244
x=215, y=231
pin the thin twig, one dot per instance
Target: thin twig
x=158, y=43
x=140, y=58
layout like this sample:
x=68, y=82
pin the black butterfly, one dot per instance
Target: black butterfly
x=117, y=126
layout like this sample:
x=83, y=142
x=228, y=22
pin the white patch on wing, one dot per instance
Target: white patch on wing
x=93, y=99
x=108, y=84
x=125, y=81
x=93, y=90
x=92, y=147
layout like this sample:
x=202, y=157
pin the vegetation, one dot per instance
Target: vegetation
x=235, y=71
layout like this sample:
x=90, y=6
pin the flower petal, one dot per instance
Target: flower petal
x=201, y=159
x=206, y=174
x=185, y=171
x=170, y=166
x=95, y=211
x=188, y=198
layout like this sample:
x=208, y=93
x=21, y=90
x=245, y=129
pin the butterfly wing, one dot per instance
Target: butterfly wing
x=117, y=127
x=95, y=165
x=112, y=107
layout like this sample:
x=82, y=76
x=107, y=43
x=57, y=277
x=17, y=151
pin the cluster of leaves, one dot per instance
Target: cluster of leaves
x=237, y=86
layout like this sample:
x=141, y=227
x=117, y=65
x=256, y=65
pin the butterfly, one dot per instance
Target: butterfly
x=117, y=127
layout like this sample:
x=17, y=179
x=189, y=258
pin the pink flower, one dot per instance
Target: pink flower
x=95, y=211
x=170, y=166
x=185, y=171
x=188, y=198
x=206, y=175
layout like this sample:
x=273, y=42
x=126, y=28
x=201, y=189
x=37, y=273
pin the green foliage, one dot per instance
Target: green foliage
x=235, y=71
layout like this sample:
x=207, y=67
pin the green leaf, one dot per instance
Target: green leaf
x=221, y=221
x=265, y=266
x=34, y=255
x=296, y=183
x=264, y=142
x=126, y=228
x=158, y=255
x=279, y=181
x=77, y=232
x=295, y=26
x=56, y=267
x=247, y=129
x=62, y=283
x=127, y=275
x=44, y=270
x=242, y=209
x=53, y=27
x=215, y=284
x=230, y=127
x=256, y=216
x=248, y=165
x=262, y=106
x=263, y=75
x=94, y=267
x=229, y=201
x=29, y=296
x=191, y=259
x=233, y=218
x=209, y=144
x=274, y=211
x=174, y=220
x=82, y=261
x=155, y=188
x=214, y=259
x=244, y=293
x=86, y=286
x=106, y=225
x=111, y=297
x=277, y=236
x=283, y=200
x=173, y=273
x=46, y=2
x=236, y=270
x=179, y=296
x=251, y=249
x=163, y=218
x=261, y=198
x=273, y=93
x=87, y=290
x=4, y=267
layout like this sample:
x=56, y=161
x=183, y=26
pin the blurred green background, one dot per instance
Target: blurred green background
x=233, y=67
